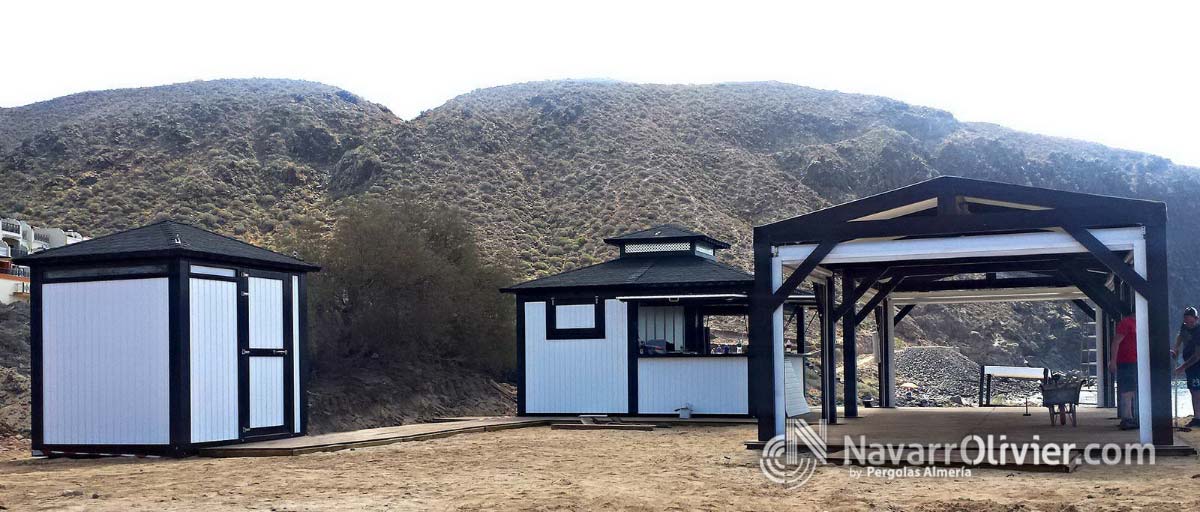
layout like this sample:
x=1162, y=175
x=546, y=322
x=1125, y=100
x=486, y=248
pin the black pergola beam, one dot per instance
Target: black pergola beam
x=904, y=311
x=967, y=187
x=949, y=203
x=1015, y=221
x=1110, y=259
x=1039, y=263
x=725, y=310
x=984, y=284
x=877, y=299
x=848, y=301
x=1085, y=308
x=801, y=273
x=1106, y=299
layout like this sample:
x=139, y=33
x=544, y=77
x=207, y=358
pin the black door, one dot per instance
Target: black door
x=265, y=348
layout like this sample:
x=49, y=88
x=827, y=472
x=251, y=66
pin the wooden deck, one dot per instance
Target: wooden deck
x=951, y=424
x=440, y=427
x=369, y=437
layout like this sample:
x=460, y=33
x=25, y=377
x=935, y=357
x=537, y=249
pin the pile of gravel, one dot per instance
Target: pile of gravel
x=946, y=378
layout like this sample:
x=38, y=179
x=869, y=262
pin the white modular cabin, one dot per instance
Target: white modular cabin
x=635, y=335
x=163, y=339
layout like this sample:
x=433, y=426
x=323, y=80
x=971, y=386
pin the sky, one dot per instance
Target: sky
x=1122, y=74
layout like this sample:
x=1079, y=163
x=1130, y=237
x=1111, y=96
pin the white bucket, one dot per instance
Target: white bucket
x=685, y=412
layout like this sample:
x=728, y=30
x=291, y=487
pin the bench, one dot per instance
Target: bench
x=988, y=372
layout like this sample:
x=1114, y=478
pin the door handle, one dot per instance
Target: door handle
x=280, y=351
x=245, y=352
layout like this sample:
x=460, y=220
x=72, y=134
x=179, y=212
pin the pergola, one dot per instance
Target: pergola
x=959, y=240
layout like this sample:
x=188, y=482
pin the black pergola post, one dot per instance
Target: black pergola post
x=828, y=361
x=760, y=353
x=1109, y=395
x=849, y=351
x=1160, y=331
x=799, y=316
x=632, y=352
x=887, y=342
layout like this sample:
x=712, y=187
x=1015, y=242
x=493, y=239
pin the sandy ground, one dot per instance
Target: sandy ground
x=682, y=468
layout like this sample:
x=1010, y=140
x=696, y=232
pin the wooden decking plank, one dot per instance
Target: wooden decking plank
x=367, y=437
x=602, y=426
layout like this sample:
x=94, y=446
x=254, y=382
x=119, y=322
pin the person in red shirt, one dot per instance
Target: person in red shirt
x=1124, y=364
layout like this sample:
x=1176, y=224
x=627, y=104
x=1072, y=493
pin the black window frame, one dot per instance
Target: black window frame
x=594, y=332
x=106, y=271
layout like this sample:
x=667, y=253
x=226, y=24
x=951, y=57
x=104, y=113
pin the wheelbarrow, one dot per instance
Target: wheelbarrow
x=1063, y=395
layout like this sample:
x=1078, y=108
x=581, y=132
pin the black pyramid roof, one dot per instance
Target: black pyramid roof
x=681, y=270
x=663, y=233
x=164, y=239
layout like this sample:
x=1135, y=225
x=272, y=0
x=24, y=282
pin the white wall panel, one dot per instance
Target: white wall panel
x=713, y=385
x=214, y=360
x=105, y=368
x=575, y=316
x=576, y=376
x=296, y=398
x=796, y=403
x=266, y=391
x=661, y=323
x=266, y=312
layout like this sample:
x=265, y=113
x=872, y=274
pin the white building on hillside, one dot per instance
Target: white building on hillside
x=21, y=239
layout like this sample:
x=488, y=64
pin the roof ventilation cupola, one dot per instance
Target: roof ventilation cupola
x=666, y=239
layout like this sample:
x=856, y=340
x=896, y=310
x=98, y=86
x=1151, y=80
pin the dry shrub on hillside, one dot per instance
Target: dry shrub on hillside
x=403, y=282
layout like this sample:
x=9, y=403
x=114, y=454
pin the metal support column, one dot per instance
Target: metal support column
x=1160, y=365
x=760, y=351
x=887, y=377
x=799, y=316
x=1103, y=389
x=849, y=351
x=828, y=361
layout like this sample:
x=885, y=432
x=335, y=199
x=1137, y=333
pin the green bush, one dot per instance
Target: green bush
x=405, y=280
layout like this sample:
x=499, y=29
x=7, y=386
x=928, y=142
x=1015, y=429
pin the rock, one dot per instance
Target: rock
x=944, y=377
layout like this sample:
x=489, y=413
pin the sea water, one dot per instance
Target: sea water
x=1180, y=394
x=1183, y=399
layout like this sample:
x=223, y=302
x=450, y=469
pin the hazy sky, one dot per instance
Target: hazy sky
x=1121, y=74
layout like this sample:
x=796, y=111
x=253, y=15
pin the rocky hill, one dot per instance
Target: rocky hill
x=547, y=169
